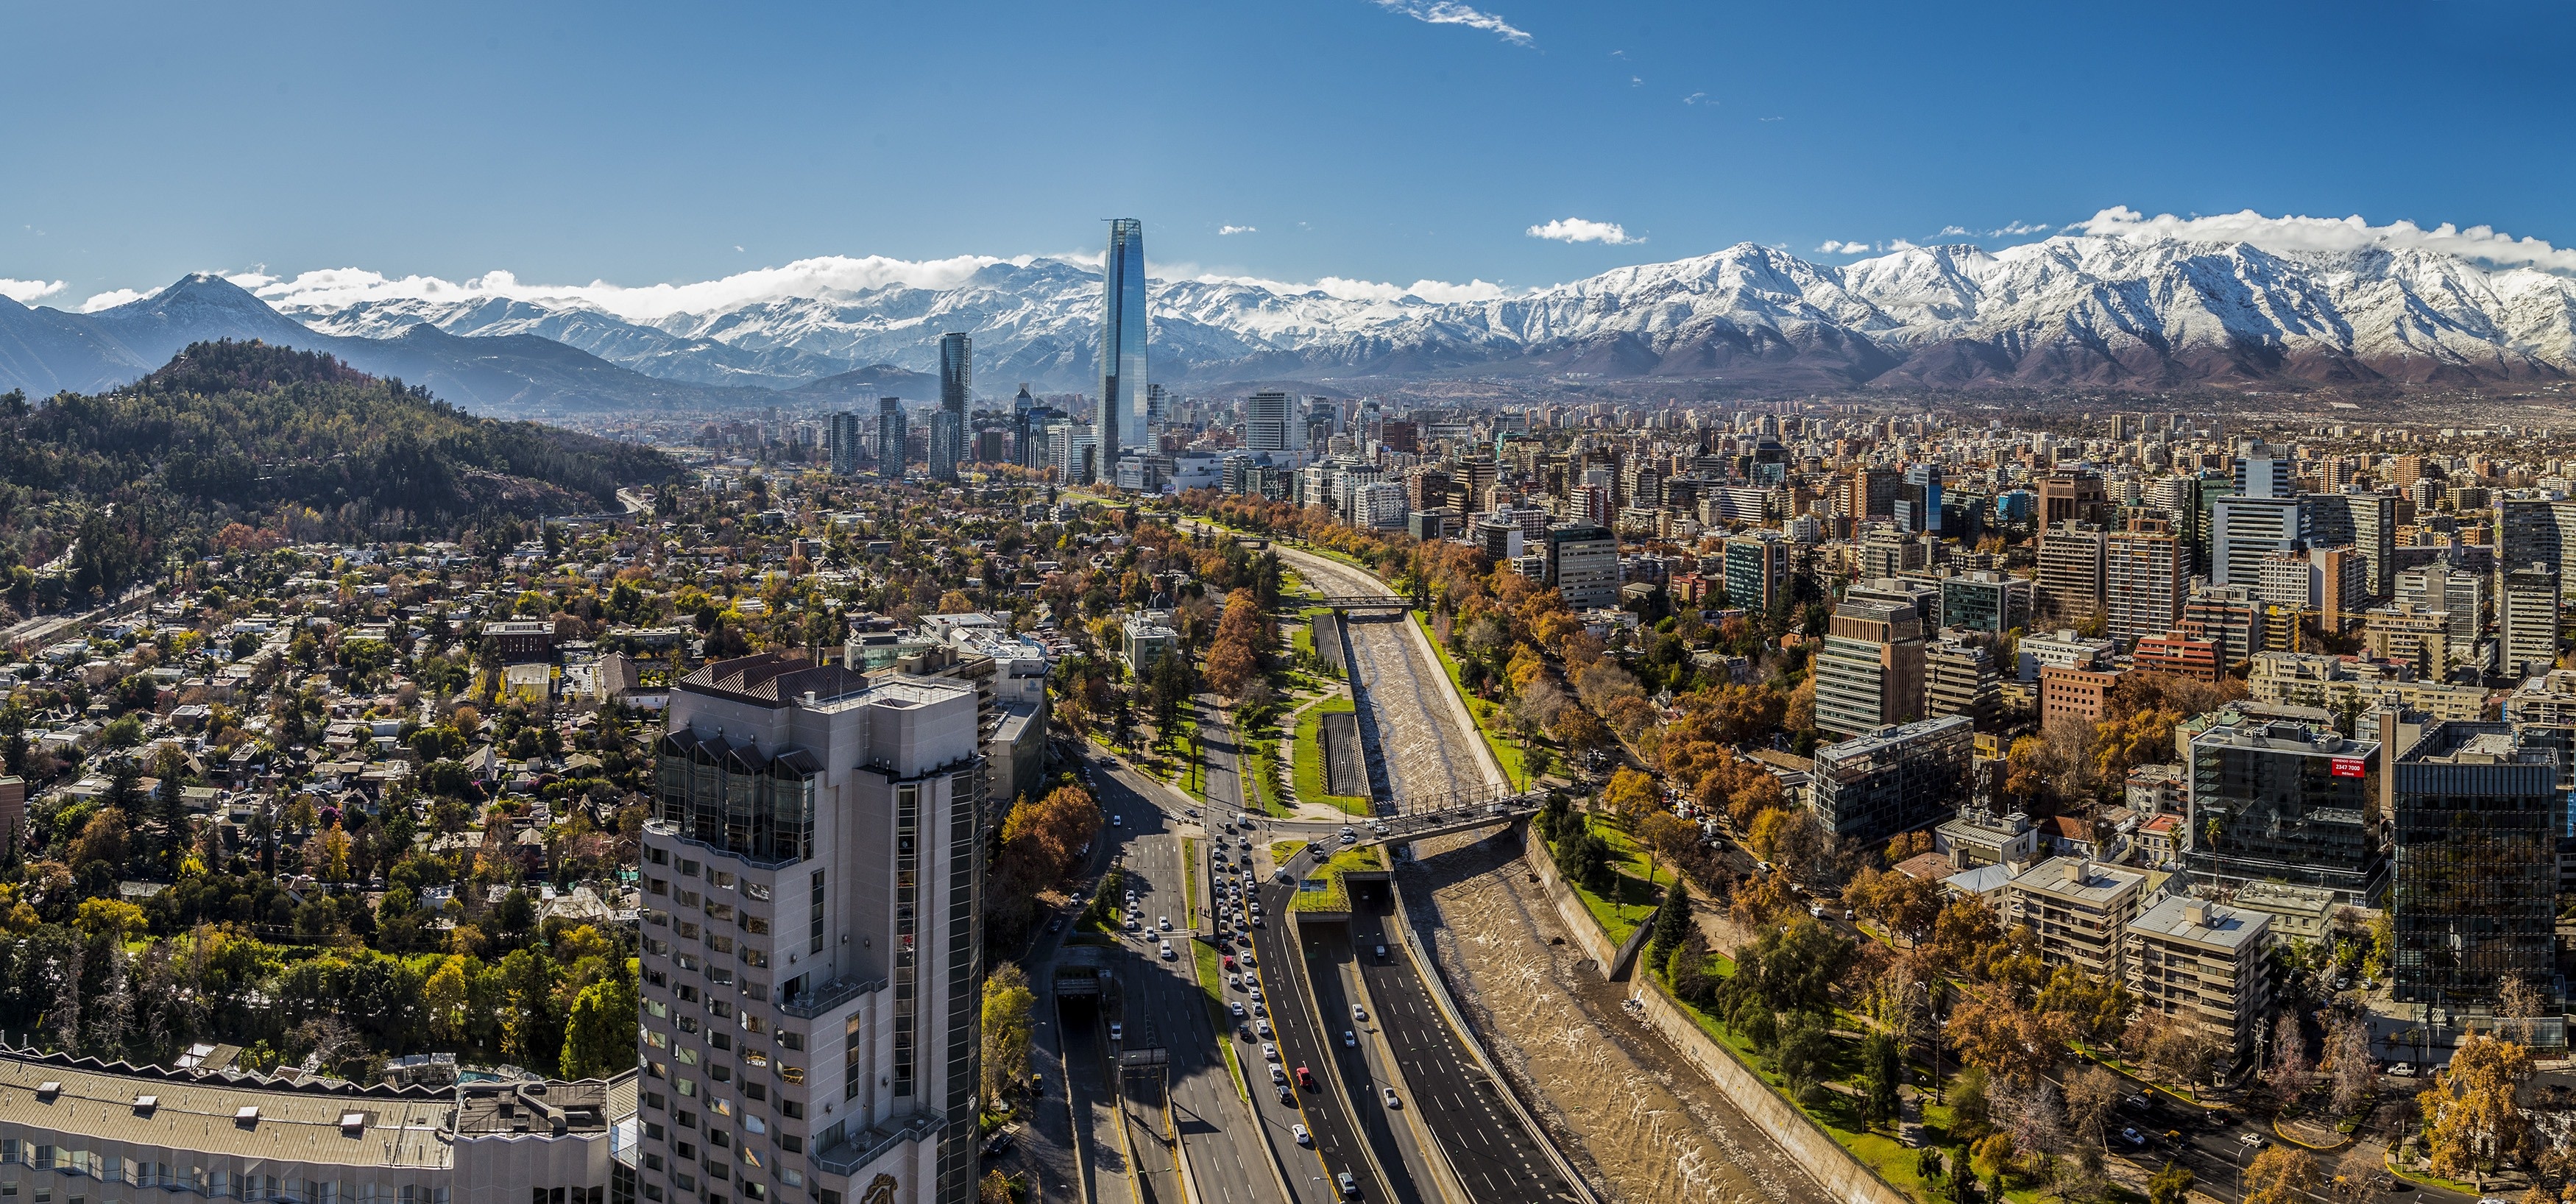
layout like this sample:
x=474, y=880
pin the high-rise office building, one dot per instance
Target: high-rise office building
x=2365, y=520
x=2246, y=531
x=890, y=437
x=947, y=444
x=1582, y=563
x=2448, y=588
x=1272, y=423
x=2146, y=574
x=1918, y=500
x=1757, y=571
x=2477, y=808
x=2262, y=470
x=842, y=439
x=1870, y=673
x=956, y=387
x=1868, y=789
x=1959, y=678
x=812, y=956
x=2528, y=609
x=1985, y=600
x=2283, y=800
x=1123, y=413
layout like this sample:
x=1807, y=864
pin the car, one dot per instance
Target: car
x=1132, y=925
x=1243, y=1032
x=1256, y=992
x=1167, y=954
x=1299, y=1132
x=1349, y=1040
x=1817, y=910
x=1359, y=1013
x=1388, y=1094
x=1278, y=1077
x=1287, y=1097
x=1234, y=981
x=1163, y=923
x=1117, y=821
x=1116, y=1030
x=1849, y=915
x=1305, y=1079
x=2133, y=1137
x=1350, y=1186
x=1192, y=812
x=1269, y=1052
x=1248, y=963
x=1229, y=961
x=2402, y=1069
x=1256, y=921
x=2173, y=1137
x=1346, y=830
x=1763, y=866
x=2136, y=1103
x=2343, y=984
x=999, y=1145
x=1380, y=828
x=1236, y=1007
x=1260, y=1009
x=1381, y=953
x=2254, y=1140
x=1262, y=1027
x=1348, y=838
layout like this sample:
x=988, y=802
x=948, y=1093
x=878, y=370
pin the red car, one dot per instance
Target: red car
x=1305, y=1081
x=1229, y=961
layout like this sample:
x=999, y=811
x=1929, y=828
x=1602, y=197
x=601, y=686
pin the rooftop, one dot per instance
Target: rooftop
x=2200, y=921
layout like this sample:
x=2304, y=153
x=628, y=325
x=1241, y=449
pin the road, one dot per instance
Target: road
x=1341, y=1134
x=1163, y=1004
x=1495, y=1158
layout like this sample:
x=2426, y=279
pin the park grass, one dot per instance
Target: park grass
x=1507, y=751
x=1309, y=765
x=1634, y=897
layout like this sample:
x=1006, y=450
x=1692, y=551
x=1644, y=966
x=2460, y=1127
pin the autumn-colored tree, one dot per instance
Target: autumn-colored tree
x=1669, y=836
x=2012, y=1042
x=1909, y=844
x=2096, y=1009
x=2287, y=1077
x=1800, y=714
x=2280, y=1175
x=1788, y=838
x=1630, y=795
x=2026, y=768
x=1756, y=794
x=2469, y=1112
x=1242, y=644
x=2138, y=738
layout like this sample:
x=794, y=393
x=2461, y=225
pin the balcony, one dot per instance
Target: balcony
x=816, y=1001
x=676, y=833
x=847, y=1156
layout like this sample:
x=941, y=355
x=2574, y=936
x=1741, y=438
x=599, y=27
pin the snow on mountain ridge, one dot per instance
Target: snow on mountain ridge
x=2107, y=307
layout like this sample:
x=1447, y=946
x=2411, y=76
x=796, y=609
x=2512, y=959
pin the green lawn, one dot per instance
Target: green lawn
x=1488, y=723
x=1628, y=906
x=1309, y=766
x=1258, y=765
x=1335, y=896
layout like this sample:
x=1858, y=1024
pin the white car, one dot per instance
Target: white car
x=1247, y=958
x=1116, y=1030
x=1163, y=922
x=1269, y=1053
x=1262, y=1027
x=1132, y=925
x=1168, y=955
x=1117, y=821
x=1389, y=1094
x=1237, y=1008
x=1359, y=1013
x=1299, y=1132
x=1278, y=1076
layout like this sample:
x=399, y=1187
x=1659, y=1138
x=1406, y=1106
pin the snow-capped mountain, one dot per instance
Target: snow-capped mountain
x=2095, y=310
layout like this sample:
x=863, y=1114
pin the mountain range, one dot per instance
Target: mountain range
x=2090, y=311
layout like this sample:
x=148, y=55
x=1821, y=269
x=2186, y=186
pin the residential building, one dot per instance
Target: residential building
x=1977, y=836
x=1757, y=571
x=2476, y=808
x=2204, y=964
x=2079, y=908
x=811, y=947
x=2070, y=572
x=1145, y=638
x=1985, y=600
x=1870, y=673
x=522, y=641
x=2156, y=789
x=2363, y=520
x=2414, y=637
x=2283, y=801
x=2062, y=649
x=1272, y=424
x=1893, y=780
x=2074, y=696
x=946, y=447
x=1123, y=406
x=1959, y=678
x=1583, y=565
x=2230, y=616
x=890, y=437
x=842, y=440
x=2071, y=497
x=2336, y=684
x=2445, y=586
x=2181, y=656
x=2298, y=913
x=2146, y=575
x=2528, y=604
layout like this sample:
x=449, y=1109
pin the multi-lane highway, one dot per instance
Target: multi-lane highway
x=1495, y=1159
x=1342, y=1135
x=1163, y=1006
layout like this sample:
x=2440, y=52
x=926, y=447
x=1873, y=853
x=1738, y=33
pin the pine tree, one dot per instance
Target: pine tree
x=1672, y=921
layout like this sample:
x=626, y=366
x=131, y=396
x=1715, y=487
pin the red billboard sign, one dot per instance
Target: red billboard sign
x=2350, y=767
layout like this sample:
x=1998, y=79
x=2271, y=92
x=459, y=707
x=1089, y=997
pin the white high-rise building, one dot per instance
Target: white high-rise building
x=2244, y=531
x=811, y=954
x=1273, y=423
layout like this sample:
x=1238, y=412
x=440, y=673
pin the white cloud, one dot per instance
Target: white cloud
x=1695, y=98
x=28, y=292
x=1575, y=229
x=1448, y=12
x=2481, y=243
x=1835, y=246
x=2014, y=229
x=110, y=300
x=1952, y=231
x=1224, y=230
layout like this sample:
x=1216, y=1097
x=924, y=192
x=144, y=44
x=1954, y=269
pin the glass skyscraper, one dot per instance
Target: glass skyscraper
x=1122, y=339
x=956, y=379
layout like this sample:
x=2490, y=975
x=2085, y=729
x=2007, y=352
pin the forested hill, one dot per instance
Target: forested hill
x=288, y=444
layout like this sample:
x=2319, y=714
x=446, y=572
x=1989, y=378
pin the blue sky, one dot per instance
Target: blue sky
x=1394, y=140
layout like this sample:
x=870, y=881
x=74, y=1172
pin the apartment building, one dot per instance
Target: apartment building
x=2079, y=908
x=2203, y=964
